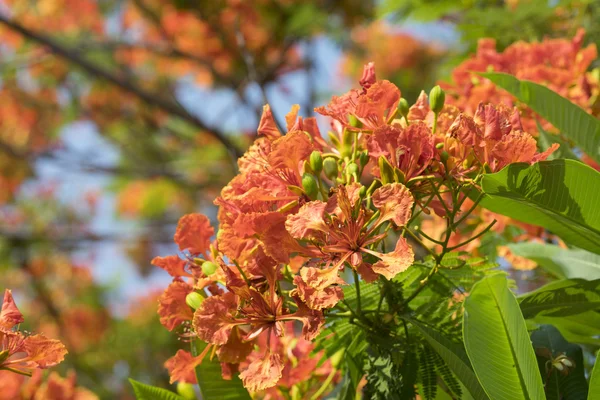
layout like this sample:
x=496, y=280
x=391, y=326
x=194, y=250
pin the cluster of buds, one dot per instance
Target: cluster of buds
x=305, y=217
x=21, y=353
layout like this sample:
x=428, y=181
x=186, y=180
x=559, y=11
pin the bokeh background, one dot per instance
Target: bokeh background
x=119, y=116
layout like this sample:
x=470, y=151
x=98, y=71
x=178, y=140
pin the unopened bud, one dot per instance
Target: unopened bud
x=440, y=145
x=437, y=97
x=297, y=190
x=444, y=156
x=363, y=158
x=330, y=166
x=309, y=183
x=362, y=192
x=316, y=162
x=194, y=300
x=352, y=168
x=209, y=268
x=186, y=390
x=385, y=170
x=403, y=107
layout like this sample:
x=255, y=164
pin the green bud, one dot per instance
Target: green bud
x=209, y=268
x=385, y=170
x=399, y=176
x=444, y=156
x=363, y=158
x=403, y=107
x=362, y=192
x=436, y=99
x=309, y=183
x=186, y=390
x=296, y=190
x=194, y=300
x=330, y=166
x=352, y=168
x=316, y=162
x=440, y=145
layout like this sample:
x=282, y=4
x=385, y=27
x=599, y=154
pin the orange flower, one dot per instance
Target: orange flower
x=342, y=235
x=20, y=353
x=193, y=233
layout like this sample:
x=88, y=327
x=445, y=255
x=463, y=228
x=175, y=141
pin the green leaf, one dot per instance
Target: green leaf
x=212, y=385
x=550, y=344
x=570, y=119
x=580, y=328
x=559, y=195
x=562, y=263
x=545, y=140
x=562, y=298
x=147, y=392
x=455, y=356
x=594, y=393
x=497, y=342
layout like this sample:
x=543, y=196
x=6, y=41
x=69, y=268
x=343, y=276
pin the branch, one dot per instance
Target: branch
x=148, y=97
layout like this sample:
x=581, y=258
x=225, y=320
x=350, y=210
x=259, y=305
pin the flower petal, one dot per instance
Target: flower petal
x=173, y=265
x=308, y=221
x=43, y=352
x=213, y=320
x=10, y=314
x=262, y=373
x=172, y=308
x=193, y=233
x=182, y=367
x=395, y=202
x=393, y=263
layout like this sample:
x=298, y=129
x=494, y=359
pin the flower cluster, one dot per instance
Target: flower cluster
x=305, y=217
x=558, y=64
x=21, y=353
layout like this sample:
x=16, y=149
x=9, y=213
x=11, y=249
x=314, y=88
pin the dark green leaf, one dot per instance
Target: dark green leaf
x=559, y=195
x=212, y=385
x=562, y=298
x=550, y=344
x=570, y=119
x=594, y=393
x=147, y=392
x=497, y=342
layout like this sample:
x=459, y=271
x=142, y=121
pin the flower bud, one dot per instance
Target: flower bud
x=363, y=158
x=186, y=390
x=352, y=168
x=194, y=300
x=403, y=107
x=209, y=268
x=444, y=156
x=385, y=170
x=439, y=146
x=436, y=99
x=362, y=192
x=316, y=162
x=309, y=183
x=330, y=166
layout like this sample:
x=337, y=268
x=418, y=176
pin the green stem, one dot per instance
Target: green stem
x=357, y=284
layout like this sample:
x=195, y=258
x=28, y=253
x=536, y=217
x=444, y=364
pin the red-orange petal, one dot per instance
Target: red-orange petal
x=172, y=308
x=193, y=233
x=10, y=314
x=182, y=367
x=262, y=373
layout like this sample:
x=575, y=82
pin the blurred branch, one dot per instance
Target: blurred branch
x=148, y=97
